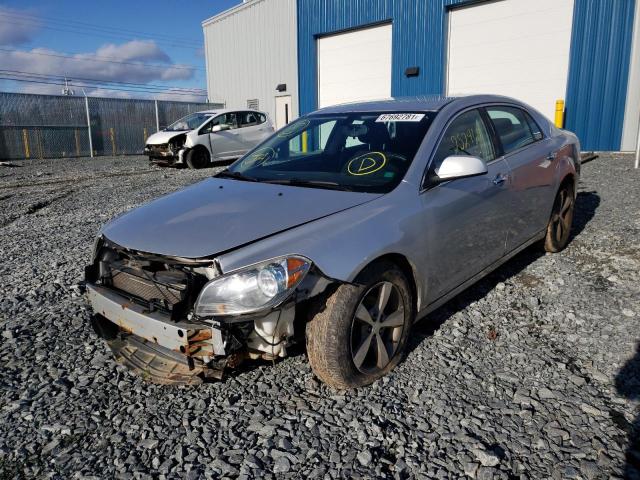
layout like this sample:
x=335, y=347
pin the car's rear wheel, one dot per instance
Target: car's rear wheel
x=198, y=158
x=559, y=227
x=362, y=333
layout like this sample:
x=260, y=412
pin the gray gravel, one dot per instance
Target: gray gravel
x=532, y=373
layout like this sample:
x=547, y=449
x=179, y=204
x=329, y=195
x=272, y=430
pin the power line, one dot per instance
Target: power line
x=95, y=80
x=43, y=82
x=105, y=87
x=100, y=32
x=96, y=58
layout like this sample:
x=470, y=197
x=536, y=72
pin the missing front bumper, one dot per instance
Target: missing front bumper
x=193, y=340
x=168, y=157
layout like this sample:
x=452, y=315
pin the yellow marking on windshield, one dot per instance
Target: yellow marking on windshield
x=293, y=129
x=367, y=164
x=260, y=156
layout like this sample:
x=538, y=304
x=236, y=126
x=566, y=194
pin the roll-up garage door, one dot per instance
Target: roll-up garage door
x=354, y=66
x=518, y=48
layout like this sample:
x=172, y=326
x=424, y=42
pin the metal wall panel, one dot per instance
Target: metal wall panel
x=631, y=127
x=250, y=49
x=419, y=40
x=598, y=71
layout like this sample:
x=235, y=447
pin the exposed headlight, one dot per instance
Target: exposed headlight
x=258, y=286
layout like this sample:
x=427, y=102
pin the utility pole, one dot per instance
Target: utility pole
x=66, y=90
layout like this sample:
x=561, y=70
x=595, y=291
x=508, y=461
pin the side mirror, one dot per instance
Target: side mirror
x=460, y=166
x=220, y=128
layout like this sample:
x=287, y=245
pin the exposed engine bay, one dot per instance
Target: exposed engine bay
x=144, y=307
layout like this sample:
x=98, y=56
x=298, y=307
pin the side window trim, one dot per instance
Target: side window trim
x=528, y=118
x=532, y=122
x=495, y=138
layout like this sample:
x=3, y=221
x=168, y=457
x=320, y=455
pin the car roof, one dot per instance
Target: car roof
x=423, y=103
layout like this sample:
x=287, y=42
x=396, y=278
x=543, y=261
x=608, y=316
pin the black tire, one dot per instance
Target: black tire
x=335, y=336
x=559, y=226
x=198, y=158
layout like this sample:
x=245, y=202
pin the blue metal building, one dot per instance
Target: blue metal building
x=601, y=101
x=312, y=53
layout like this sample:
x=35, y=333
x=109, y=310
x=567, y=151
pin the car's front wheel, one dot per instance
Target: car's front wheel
x=559, y=226
x=362, y=333
x=198, y=158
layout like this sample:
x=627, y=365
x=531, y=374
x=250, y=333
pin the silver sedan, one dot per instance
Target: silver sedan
x=339, y=231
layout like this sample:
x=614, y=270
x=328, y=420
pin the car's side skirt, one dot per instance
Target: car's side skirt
x=448, y=296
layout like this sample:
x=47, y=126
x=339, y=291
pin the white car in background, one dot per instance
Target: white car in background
x=209, y=136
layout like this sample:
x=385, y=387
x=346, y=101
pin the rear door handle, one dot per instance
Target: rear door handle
x=552, y=156
x=500, y=179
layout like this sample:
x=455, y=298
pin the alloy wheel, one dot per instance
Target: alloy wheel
x=376, y=328
x=562, y=215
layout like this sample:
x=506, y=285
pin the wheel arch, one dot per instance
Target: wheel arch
x=201, y=146
x=409, y=270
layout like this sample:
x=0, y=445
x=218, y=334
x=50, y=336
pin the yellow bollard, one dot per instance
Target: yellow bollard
x=113, y=141
x=25, y=139
x=559, y=113
x=304, y=141
x=145, y=134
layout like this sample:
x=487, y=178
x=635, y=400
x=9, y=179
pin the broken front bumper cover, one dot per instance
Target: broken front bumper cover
x=190, y=339
x=164, y=350
x=162, y=155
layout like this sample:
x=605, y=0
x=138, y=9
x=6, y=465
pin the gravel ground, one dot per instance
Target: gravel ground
x=532, y=373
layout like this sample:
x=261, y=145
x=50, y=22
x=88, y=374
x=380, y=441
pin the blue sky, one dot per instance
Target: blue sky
x=110, y=41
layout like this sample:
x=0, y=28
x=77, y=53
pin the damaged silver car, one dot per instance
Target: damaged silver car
x=338, y=232
x=202, y=138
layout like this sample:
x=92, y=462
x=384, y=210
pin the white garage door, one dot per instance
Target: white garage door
x=517, y=48
x=354, y=66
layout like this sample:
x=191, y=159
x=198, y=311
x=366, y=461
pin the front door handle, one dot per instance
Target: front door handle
x=500, y=179
x=552, y=156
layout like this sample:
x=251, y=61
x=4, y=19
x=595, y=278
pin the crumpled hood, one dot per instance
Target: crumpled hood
x=162, y=137
x=218, y=215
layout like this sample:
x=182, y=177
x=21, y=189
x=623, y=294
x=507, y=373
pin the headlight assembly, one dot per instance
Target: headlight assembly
x=258, y=286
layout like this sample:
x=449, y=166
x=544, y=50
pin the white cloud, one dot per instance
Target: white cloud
x=86, y=65
x=14, y=30
x=140, y=50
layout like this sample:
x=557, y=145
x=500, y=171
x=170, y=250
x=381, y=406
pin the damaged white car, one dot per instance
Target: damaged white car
x=209, y=136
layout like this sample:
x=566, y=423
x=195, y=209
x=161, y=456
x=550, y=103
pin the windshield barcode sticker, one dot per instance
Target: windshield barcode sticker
x=400, y=117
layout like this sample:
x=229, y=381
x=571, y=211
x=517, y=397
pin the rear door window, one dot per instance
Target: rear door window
x=466, y=135
x=248, y=119
x=514, y=127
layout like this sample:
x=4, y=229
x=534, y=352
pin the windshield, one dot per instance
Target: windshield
x=365, y=152
x=191, y=121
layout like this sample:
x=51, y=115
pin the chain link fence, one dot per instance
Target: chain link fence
x=51, y=126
